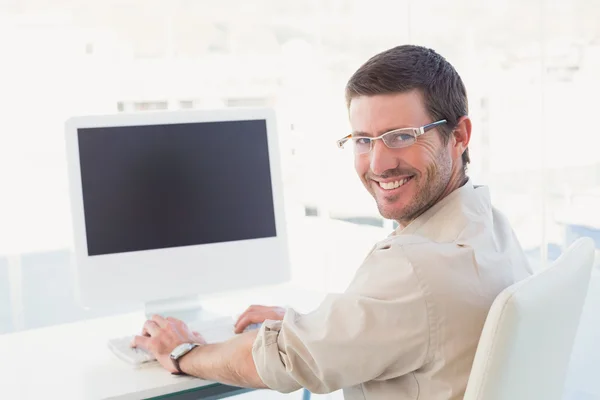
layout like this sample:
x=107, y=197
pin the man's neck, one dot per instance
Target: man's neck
x=457, y=181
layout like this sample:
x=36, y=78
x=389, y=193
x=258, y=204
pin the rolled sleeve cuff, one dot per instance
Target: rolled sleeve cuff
x=268, y=361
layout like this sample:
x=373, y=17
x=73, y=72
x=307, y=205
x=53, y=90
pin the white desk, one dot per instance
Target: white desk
x=72, y=361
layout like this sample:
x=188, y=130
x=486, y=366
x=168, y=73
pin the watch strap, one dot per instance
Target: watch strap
x=176, y=360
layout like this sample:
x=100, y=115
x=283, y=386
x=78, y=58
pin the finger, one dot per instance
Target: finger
x=143, y=342
x=175, y=320
x=237, y=321
x=160, y=321
x=248, y=319
x=151, y=328
x=251, y=309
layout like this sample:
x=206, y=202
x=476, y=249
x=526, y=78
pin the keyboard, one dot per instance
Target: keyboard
x=214, y=331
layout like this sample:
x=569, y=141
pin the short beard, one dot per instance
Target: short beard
x=429, y=190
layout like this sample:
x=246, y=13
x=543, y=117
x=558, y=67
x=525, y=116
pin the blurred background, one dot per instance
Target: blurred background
x=531, y=68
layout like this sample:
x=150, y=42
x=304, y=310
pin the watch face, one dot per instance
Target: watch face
x=181, y=350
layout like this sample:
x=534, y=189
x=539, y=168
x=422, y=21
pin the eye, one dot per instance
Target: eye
x=398, y=139
x=401, y=137
x=362, y=141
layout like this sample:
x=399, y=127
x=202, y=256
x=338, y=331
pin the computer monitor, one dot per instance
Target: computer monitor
x=167, y=206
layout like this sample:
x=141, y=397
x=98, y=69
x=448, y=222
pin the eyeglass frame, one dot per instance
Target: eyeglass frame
x=415, y=131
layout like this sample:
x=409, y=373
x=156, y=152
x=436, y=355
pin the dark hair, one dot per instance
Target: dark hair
x=408, y=67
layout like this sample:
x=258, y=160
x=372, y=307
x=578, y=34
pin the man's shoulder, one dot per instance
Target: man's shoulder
x=405, y=241
x=405, y=263
x=415, y=250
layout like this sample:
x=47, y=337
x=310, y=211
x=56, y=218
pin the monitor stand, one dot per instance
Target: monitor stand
x=188, y=309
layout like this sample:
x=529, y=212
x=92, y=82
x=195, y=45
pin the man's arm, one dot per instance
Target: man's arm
x=229, y=362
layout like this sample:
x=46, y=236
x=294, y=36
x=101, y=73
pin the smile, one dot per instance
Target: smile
x=394, y=184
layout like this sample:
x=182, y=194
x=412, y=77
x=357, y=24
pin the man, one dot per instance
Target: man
x=408, y=325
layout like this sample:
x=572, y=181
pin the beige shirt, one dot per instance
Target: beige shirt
x=408, y=325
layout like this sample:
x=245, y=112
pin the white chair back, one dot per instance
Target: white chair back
x=528, y=336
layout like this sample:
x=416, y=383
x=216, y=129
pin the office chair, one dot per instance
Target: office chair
x=528, y=336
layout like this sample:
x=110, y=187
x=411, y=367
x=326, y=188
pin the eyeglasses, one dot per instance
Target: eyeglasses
x=395, y=139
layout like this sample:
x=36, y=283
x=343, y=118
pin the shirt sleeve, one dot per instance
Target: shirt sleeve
x=377, y=330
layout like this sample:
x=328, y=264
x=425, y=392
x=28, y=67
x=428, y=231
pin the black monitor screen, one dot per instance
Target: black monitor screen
x=160, y=186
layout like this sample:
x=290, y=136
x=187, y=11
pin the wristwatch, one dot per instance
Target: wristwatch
x=179, y=352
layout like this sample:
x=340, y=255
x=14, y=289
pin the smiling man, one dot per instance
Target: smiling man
x=408, y=325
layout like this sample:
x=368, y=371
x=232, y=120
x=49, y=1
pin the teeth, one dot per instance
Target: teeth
x=393, y=185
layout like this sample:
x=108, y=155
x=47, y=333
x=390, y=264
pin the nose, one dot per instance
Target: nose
x=382, y=158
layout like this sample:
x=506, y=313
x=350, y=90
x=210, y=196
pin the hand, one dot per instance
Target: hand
x=257, y=315
x=161, y=335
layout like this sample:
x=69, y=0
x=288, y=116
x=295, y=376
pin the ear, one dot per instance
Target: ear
x=461, y=137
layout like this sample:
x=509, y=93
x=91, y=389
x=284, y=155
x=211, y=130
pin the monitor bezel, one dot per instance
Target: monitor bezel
x=159, y=274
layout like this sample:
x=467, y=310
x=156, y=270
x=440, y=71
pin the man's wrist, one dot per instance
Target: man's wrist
x=186, y=364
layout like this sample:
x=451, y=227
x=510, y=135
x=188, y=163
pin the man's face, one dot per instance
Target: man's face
x=424, y=169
